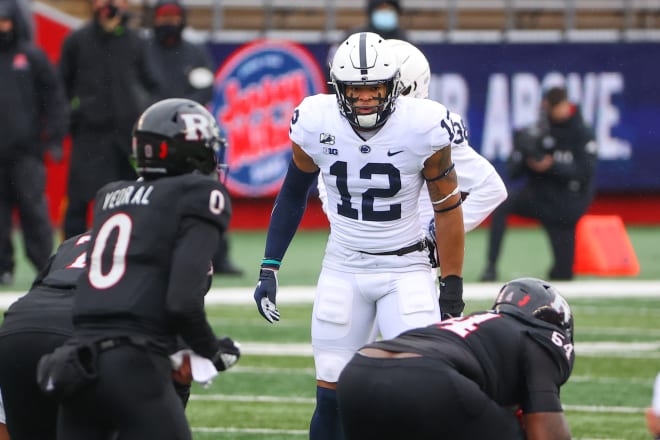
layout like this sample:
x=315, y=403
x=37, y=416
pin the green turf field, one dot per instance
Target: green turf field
x=526, y=252
x=270, y=393
x=271, y=397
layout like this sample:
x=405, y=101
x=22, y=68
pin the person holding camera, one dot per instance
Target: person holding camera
x=558, y=156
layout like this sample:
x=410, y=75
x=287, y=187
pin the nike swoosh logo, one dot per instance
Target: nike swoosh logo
x=393, y=153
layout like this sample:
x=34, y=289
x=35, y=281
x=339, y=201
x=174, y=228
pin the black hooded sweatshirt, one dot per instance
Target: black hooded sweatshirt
x=35, y=112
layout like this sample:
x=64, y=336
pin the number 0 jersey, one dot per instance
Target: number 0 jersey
x=516, y=361
x=373, y=185
x=137, y=225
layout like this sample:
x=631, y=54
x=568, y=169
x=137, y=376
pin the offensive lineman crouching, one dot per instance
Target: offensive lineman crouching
x=463, y=378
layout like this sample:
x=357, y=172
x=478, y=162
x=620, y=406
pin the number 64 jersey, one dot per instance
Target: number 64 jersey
x=373, y=184
x=137, y=229
x=514, y=359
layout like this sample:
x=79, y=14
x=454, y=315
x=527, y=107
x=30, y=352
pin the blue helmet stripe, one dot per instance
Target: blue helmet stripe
x=363, y=53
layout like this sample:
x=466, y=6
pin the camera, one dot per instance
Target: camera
x=529, y=142
x=534, y=141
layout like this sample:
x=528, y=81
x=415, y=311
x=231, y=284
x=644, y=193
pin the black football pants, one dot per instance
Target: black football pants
x=417, y=398
x=30, y=414
x=133, y=396
x=559, y=227
x=22, y=186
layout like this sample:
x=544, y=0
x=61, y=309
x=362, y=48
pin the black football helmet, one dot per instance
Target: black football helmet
x=177, y=136
x=535, y=298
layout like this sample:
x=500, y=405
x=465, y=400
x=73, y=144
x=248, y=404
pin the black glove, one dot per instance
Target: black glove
x=227, y=355
x=432, y=244
x=451, y=297
x=265, y=294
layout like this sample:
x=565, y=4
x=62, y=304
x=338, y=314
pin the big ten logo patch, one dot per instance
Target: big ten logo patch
x=255, y=93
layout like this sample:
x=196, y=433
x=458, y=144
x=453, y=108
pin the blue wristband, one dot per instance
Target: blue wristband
x=270, y=263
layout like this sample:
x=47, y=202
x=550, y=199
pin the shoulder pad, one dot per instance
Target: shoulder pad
x=309, y=116
x=207, y=199
x=558, y=345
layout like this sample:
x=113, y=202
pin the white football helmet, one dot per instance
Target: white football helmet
x=415, y=70
x=364, y=59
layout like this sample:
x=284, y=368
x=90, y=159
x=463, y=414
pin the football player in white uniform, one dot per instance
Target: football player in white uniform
x=374, y=161
x=476, y=175
x=478, y=181
x=480, y=184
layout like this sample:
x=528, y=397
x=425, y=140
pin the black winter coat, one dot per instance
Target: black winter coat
x=568, y=186
x=107, y=78
x=32, y=99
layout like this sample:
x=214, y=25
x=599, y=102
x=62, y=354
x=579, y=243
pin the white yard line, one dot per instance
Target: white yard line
x=297, y=371
x=293, y=371
x=250, y=398
x=575, y=289
x=605, y=409
x=251, y=431
x=616, y=349
x=268, y=349
x=301, y=432
x=572, y=289
x=305, y=294
x=311, y=401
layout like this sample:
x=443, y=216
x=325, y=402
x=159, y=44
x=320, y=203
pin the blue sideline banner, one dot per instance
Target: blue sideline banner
x=496, y=87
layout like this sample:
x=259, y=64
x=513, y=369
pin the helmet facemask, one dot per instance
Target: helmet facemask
x=364, y=60
x=535, y=298
x=222, y=167
x=352, y=107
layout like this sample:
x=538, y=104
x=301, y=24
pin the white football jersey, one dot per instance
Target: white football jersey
x=476, y=176
x=373, y=185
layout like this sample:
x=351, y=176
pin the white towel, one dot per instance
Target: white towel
x=203, y=370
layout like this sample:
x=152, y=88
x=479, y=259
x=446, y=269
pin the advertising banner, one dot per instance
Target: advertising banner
x=496, y=87
x=256, y=90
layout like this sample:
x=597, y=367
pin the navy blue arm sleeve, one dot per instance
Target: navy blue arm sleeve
x=189, y=283
x=288, y=211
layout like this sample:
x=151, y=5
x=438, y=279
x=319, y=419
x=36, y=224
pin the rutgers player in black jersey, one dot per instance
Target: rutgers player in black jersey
x=493, y=374
x=34, y=325
x=148, y=265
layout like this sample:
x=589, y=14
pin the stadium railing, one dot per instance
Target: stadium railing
x=427, y=20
